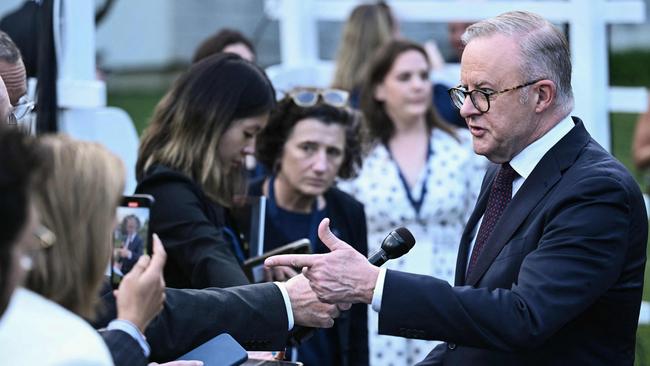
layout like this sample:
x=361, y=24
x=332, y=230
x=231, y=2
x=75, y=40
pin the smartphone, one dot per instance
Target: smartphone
x=256, y=362
x=222, y=350
x=131, y=235
x=254, y=267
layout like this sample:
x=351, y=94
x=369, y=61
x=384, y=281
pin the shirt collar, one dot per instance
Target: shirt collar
x=524, y=162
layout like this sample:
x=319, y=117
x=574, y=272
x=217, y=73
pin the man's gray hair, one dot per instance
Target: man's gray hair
x=9, y=52
x=544, y=49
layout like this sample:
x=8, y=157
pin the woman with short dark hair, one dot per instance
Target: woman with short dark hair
x=312, y=139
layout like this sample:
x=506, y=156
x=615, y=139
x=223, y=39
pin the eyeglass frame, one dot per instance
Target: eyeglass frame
x=487, y=95
x=20, y=110
x=320, y=96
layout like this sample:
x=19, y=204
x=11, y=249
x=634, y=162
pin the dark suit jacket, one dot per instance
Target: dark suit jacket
x=137, y=248
x=124, y=349
x=190, y=226
x=558, y=282
x=255, y=315
x=348, y=222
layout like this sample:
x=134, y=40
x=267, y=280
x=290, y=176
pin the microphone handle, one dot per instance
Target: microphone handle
x=378, y=258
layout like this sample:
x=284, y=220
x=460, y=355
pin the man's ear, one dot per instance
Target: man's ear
x=545, y=96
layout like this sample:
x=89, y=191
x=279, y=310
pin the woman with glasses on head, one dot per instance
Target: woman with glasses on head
x=310, y=140
x=419, y=172
x=191, y=161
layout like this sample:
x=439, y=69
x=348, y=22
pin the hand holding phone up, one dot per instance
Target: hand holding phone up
x=141, y=294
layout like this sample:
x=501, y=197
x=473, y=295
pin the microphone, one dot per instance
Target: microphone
x=397, y=243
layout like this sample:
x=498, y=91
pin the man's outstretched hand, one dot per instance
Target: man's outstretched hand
x=341, y=276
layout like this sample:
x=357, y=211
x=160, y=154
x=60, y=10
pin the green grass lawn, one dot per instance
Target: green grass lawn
x=139, y=105
x=631, y=69
x=622, y=132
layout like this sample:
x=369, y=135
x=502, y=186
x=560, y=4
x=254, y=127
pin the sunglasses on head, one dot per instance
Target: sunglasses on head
x=309, y=97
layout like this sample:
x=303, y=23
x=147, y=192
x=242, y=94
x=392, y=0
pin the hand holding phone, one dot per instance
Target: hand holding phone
x=141, y=293
x=131, y=236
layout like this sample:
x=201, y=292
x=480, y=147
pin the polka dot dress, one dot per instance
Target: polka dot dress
x=452, y=188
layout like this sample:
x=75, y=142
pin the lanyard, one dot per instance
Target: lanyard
x=416, y=204
x=316, y=216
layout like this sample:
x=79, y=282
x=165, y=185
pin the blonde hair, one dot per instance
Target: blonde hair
x=76, y=199
x=369, y=27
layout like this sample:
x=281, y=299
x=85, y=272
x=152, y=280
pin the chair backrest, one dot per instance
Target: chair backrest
x=109, y=126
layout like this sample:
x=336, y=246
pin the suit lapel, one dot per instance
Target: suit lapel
x=545, y=175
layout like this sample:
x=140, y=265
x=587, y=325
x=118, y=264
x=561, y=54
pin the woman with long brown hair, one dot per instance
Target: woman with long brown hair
x=191, y=160
x=420, y=173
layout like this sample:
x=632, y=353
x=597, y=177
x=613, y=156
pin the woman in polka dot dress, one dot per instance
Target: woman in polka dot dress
x=419, y=173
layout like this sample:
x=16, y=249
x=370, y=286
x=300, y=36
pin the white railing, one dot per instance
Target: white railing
x=587, y=21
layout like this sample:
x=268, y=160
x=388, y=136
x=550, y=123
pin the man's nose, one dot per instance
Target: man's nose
x=468, y=109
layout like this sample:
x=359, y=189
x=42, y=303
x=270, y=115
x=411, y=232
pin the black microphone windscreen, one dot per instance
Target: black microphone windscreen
x=398, y=243
x=406, y=236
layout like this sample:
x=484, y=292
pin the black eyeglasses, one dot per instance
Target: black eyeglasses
x=309, y=97
x=480, y=98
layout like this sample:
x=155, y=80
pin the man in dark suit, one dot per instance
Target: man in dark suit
x=255, y=315
x=550, y=266
x=133, y=246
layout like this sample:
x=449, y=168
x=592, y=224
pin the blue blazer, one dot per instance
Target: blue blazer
x=559, y=280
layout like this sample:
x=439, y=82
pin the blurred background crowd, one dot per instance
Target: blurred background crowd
x=376, y=146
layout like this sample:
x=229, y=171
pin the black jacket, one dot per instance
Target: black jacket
x=190, y=226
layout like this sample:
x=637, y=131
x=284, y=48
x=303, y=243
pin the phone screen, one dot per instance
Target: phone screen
x=131, y=237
